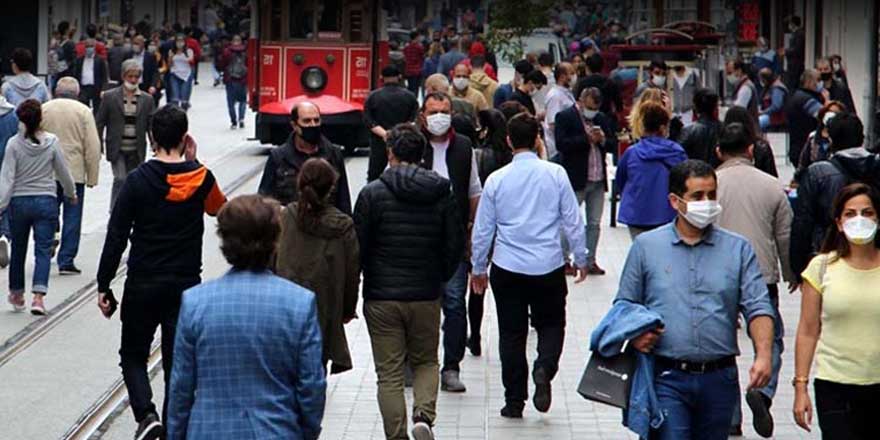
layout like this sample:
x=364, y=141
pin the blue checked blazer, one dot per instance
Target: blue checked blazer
x=247, y=361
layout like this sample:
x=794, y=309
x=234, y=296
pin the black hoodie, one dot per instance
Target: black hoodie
x=817, y=187
x=411, y=240
x=161, y=208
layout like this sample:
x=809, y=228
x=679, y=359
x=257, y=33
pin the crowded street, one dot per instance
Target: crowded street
x=440, y=219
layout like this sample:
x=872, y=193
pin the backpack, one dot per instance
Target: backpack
x=237, y=67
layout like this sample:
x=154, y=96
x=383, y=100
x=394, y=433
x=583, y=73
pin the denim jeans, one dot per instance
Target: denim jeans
x=4, y=225
x=236, y=94
x=179, y=90
x=776, y=360
x=147, y=304
x=455, y=319
x=39, y=213
x=566, y=248
x=696, y=406
x=71, y=225
x=594, y=201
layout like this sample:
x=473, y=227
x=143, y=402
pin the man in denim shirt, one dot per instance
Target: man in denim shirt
x=698, y=278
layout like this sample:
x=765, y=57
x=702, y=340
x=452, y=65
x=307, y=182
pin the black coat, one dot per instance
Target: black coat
x=100, y=71
x=817, y=187
x=700, y=139
x=573, y=144
x=282, y=169
x=411, y=239
x=800, y=122
x=151, y=71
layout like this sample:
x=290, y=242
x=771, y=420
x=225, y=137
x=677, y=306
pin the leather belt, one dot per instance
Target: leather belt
x=694, y=367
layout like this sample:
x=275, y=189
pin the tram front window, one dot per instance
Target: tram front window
x=302, y=15
x=330, y=16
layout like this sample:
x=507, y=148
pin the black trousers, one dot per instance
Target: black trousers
x=517, y=297
x=847, y=411
x=91, y=96
x=147, y=304
x=475, y=314
x=413, y=83
x=378, y=158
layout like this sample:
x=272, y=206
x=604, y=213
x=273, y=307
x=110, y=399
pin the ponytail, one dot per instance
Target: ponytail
x=30, y=113
x=316, y=182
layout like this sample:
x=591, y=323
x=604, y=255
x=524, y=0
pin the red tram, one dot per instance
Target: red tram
x=325, y=51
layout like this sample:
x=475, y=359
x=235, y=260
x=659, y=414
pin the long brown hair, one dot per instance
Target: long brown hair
x=30, y=113
x=835, y=241
x=316, y=182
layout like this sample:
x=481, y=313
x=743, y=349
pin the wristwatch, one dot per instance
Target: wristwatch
x=799, y=379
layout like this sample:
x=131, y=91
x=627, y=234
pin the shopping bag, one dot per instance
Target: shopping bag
x=608, y=379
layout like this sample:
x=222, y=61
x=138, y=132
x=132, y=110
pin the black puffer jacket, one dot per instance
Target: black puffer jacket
x=410, y=235
x=817, y=188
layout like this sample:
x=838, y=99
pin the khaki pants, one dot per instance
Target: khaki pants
x=402, y=332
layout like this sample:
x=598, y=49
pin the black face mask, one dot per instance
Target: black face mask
x=311, y=135
x=825, y=76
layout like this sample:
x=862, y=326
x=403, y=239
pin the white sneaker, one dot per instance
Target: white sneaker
x=4, y=252
x=422, y=431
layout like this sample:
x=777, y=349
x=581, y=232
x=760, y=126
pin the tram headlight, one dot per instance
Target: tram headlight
x=314, y=79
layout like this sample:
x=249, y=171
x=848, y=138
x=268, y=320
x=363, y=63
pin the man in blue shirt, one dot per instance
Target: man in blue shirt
x=698, y=277
x=522, y=210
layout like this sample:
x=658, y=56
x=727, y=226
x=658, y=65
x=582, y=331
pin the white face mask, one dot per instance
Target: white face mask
x=658, y=80
x=828, y=117
x=129, y=86
x=702, y=213
x=733, y=79
x=589, y=114
x=534, y=92
x=860, y=230
x=460, y=84
x=438, y=123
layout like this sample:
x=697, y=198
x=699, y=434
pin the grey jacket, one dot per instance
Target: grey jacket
x=756, y=207
x=30, y=169
x=111, y=115
x=683, y=97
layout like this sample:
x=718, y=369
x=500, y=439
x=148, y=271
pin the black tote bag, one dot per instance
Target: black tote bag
x=608, y=379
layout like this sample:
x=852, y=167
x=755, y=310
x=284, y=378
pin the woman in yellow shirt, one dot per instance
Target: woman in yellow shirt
x=840, y=323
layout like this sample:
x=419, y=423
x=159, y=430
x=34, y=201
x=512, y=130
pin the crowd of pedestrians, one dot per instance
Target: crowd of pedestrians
x=473, y=186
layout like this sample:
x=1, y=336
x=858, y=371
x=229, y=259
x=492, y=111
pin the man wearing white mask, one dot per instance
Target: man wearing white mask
x=745, y=92
x=461, y=88
x=451, y=156
x=659, y=72
x=699, y=278
x=758, y=209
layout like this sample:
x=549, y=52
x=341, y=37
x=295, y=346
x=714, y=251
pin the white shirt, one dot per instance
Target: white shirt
x=88, y=72
x=180, y=65
x=558, y=99
x=475, y=188
x=743, y=97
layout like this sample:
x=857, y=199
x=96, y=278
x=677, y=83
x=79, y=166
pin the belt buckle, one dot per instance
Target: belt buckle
x=703, y=367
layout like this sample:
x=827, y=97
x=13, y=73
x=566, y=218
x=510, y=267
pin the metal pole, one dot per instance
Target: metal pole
x=870, y=95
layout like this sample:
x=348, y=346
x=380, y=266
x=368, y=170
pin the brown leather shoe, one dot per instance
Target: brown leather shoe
x=596, y=270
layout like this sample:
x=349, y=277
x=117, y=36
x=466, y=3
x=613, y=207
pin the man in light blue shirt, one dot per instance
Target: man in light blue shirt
x=523, y=207
x=698, y=277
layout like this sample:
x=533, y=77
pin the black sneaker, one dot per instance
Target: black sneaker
x=542, y=397
x=233, y=126
x=762, y=420
x=149, y=428
x=512, y=410
x=240, y=124
x=69, y=270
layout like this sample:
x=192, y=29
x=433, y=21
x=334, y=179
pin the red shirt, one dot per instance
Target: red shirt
x=414, y=57
x=193, y=44
x=100, y=49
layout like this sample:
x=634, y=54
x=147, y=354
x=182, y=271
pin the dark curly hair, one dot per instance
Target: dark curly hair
x=316, y=181
x=249, y=227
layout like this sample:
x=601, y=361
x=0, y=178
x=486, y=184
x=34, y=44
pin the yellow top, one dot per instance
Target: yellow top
x=849, y=346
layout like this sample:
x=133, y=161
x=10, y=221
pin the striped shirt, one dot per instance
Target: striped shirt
x=129, y=130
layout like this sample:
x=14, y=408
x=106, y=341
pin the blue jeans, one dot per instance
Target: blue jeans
x=39, y=213
x=776, y=360
x=696, y=406
x=236, y=94
x=4, y=225
x=594, y=204
x=71, y=225
x=179, y=90
x=455, y=319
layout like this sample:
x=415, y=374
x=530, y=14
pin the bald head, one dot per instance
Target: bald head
x=305, y=113
x=436, y=83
